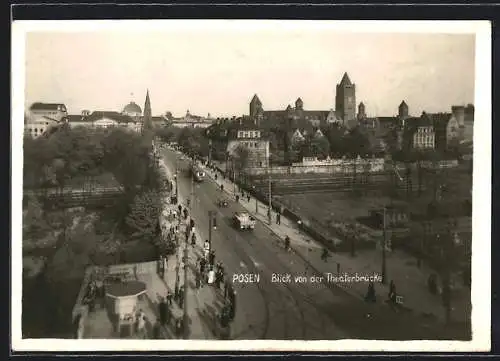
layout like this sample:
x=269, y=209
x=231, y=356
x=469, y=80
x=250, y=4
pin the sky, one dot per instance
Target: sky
x=218, y=70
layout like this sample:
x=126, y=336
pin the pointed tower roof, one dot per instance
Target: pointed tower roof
x=256, y=99
x=147, y=103
x=289, y=107
x=345, y=80
x=361, y=104
x=403, y=104
x=298, y=101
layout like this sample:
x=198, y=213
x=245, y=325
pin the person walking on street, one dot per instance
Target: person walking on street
x=287, y=243
x=211, y=258
x=222, y=187
x=278, y=218
x=248, y=198
x=181, y=296
x=169, y=298
x=156, y=331
x=163, y=311
x=227, y=288
x=237, y=198
x=198, y=280
x=216, y=177
x=203, y=263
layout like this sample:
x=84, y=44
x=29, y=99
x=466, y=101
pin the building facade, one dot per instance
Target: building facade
x=55, y=111
x=344, y=113
x=253, y=141
x=345, y=100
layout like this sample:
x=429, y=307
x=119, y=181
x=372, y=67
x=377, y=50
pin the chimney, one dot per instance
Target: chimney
x=459, y=113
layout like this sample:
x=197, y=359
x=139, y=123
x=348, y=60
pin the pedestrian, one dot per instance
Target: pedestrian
x=163, y=311
x=193, y=239
x=232, y=304
x=248, y=198
x=287, y=243
x=181, y=296
x=237, y=198
x=169, y=298
x=198, y=280
x=278, y=218
x=156, y=330
x=141, y=323
x=324, y=255
x=216, y=177
x=222, y=187
x=203, y=263
x=211, y=258
x=227, y=288
x=211, y=276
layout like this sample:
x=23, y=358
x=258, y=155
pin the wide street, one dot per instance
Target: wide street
x=265, y=310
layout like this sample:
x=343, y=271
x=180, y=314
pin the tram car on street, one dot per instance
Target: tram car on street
x=197, y=173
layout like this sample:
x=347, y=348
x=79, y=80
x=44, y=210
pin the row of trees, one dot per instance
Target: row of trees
x=79, y=153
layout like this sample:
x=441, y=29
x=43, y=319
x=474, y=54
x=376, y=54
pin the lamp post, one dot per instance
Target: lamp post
x=210, y=217
x=177, y=245
x=185, y=306
x=384, y=242
x=270, y=199
x=256, y=201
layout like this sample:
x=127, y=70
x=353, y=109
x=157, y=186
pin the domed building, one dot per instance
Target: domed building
x=132, y=110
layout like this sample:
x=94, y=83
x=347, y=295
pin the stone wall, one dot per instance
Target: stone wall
x=333, y=166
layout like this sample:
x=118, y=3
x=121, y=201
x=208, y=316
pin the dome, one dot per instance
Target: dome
x=132, y=109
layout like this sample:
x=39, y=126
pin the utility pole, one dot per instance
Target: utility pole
x=209, y=150
x=384, y=242
x=191, y=195
x=177, y=247
x=270, y=207
x=185, y=313
x=210, y=216
x=176, y=181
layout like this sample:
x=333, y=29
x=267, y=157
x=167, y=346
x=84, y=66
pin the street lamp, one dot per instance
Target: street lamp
x=256, y=201
x=384, y=242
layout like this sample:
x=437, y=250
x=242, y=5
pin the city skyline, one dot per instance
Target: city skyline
x=207, y=70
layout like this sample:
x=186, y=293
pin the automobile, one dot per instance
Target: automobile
x=243, y=221
x=222, y=203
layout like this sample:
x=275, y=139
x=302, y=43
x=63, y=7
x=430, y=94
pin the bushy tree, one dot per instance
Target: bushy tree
x=320, y=147
x=34, y=223
x=126, y=156
x=142, y=220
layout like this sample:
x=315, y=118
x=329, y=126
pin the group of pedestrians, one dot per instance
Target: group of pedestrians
x=212, y=273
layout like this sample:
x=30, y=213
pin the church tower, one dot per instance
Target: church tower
x=147, y=119
x=403, y=110
x=255, y=106
x=345, y=100
x=361, y=111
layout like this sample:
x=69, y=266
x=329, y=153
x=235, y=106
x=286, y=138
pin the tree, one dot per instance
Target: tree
x=143, y=216
x=357, y=143
x=335, y=136
x=34, y=223
x=241, y=157
x=320, y=147
x=126, y=156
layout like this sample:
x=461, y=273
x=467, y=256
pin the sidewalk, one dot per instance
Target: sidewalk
x=410, y=281
x=204, y=303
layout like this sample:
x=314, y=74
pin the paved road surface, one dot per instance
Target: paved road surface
x=265, y=310
x=291, y=311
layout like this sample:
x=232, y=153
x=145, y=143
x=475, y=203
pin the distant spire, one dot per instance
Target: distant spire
x=147, y=120
x=345, y=80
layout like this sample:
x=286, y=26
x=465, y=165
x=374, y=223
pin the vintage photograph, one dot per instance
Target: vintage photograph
x=249, y=180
